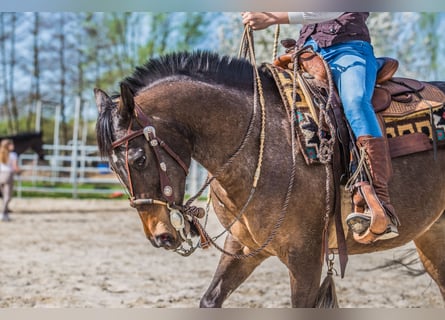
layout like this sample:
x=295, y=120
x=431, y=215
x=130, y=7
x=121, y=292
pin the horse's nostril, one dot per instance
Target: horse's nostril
x=165, y=240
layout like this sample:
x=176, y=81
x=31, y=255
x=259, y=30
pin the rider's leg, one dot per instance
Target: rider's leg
x=354, y=70
x=6, y=189
x=378, y=159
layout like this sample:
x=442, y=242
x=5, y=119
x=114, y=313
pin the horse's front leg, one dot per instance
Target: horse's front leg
x=305, y=266
x=229, y=274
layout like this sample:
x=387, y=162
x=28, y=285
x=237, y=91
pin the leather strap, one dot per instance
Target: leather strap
x=339, y=231
x=155, y=143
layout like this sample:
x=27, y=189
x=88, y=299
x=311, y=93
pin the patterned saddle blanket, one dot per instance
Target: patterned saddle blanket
x=412, y=112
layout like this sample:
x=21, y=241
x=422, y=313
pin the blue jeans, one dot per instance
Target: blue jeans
x=354, y=71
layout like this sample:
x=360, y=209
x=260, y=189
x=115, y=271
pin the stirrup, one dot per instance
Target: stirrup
x=359, y=223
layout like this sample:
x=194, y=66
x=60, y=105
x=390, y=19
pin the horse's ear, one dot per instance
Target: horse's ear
x=126, y=102
x=102, y=99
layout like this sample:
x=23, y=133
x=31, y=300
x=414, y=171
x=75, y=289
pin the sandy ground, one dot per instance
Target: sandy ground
x=93, y=253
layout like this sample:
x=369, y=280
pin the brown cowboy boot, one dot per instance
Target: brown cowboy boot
x=378, y=161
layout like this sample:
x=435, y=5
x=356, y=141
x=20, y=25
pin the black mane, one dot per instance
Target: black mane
x=199, y=65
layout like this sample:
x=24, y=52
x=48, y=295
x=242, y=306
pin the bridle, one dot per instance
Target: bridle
x=149, y=132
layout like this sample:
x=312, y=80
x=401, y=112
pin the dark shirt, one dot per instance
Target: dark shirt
x=349, y=26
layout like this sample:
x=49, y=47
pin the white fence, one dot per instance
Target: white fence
x=77, y=166
x=81, y=171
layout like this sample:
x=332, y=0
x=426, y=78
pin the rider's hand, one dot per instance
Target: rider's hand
x=262, y=20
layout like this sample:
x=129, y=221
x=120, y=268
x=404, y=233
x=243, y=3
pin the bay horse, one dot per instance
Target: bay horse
x=201, y=105
x=27, y=140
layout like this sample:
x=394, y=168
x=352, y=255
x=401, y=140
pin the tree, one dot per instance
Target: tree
x=413, y=38
x=8, y=57
x=35, y=91
x=4, y=64
x=429, y=23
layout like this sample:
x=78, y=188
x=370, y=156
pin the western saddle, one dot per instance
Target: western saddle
x=394, y=98
x=395, y=101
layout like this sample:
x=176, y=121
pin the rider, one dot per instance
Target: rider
x=8, y=167
x=343, y=40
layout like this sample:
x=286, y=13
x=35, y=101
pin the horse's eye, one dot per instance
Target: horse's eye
x=139, y=163
x=137, y=158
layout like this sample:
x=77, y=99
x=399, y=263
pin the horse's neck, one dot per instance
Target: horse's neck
x=20, y=147
x=216, y=117
x=23, y=144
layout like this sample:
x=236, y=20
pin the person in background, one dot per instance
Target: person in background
x=8, y=167
x=343, y=40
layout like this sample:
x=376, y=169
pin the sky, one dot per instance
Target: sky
x=225, y=5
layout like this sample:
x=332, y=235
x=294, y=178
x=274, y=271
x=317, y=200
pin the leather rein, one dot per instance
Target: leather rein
x=178, y=212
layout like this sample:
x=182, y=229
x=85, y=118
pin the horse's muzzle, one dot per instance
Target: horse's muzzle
x=165, y=240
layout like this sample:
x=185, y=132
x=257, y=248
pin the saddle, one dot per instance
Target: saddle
x=405, y=107
x=411, y=112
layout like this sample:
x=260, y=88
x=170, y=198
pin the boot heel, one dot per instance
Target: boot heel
x=390, y=233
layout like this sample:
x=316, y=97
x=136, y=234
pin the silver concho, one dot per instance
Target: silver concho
x=177, y=220
x=168, y=191
x=163, y=166
x=149, y=130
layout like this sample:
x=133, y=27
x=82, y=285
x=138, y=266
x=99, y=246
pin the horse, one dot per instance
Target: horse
x=27, y=140
x=202, y=105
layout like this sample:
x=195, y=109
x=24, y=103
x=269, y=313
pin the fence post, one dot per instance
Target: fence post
x=56, y=144
x=37, y=129
x=84, y=150
x=75, y=147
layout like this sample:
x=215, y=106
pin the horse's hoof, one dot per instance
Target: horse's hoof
x=358, y=222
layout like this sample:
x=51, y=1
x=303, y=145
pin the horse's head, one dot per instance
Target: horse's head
x=151, y=159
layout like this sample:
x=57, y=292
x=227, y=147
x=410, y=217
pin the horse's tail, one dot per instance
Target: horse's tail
x=327, y=296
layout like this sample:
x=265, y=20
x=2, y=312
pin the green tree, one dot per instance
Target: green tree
x=413, y=38
x=429, y=23
x=8, y=25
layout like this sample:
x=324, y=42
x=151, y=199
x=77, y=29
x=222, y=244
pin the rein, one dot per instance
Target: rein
x=179, y=212
x=245, y=48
